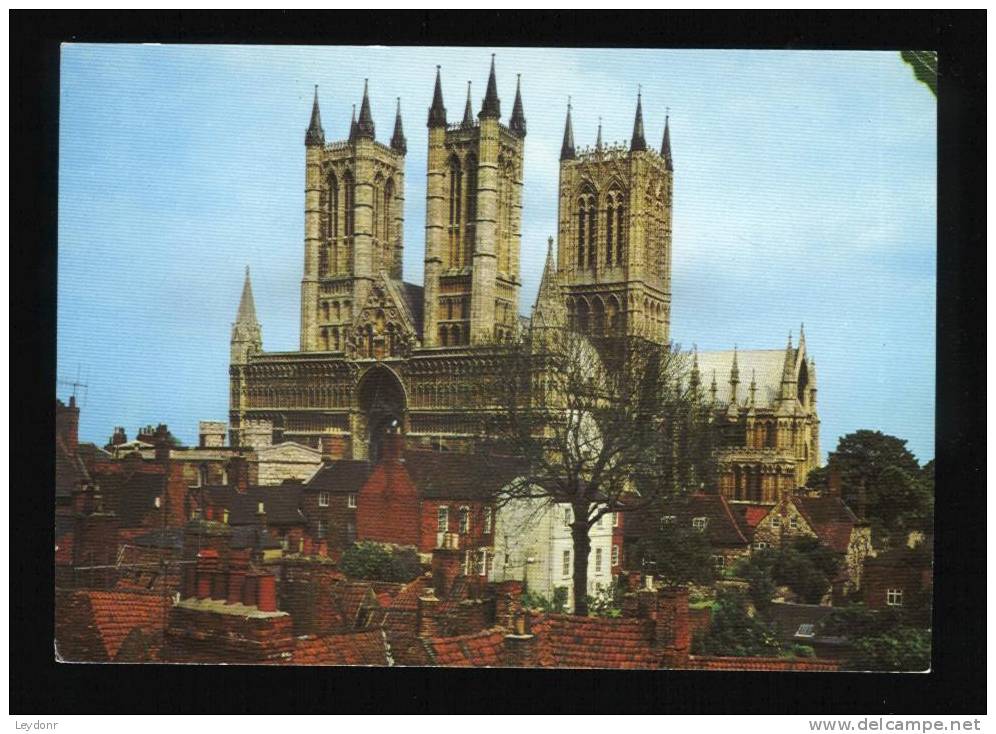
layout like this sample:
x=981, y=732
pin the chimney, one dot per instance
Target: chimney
x=238, y=473
x=447, y=563
x=671, y=630
x=634, y=580
x=428, y=613
x=521, y=646
x=161, y=441
x=333, y=448
x=266, y=593
x=261, y=516
x=508, y=603
x=119, y=436
x=236, y=582
x=833, y=481
x=207, y=566
x=392, y=446
x=67, y=423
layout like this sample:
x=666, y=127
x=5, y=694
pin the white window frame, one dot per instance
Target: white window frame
x=615, y=555
x=776, y=521
x=598, y=560
x=443, y=519
x=565, y=565
x=351, y=500
x=667, y=520
x=567, y=516
x=468, y=560
x=482, y=562
x=894, y=597
x=719, y=562
x=464, y=520
x=321, y=530
x=323, y=499
x=761, y=545
x=488, y=519
x=699, y=523
x=794, y=523
x=615, y=519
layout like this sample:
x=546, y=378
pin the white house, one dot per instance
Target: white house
x=532, y=543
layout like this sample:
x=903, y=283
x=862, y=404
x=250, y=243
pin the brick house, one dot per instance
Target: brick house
x=900, y=578
x=329, y=501
x=416, y=497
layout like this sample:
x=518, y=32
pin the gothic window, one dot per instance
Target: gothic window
x=471, y=210
x=620, y=228
x=387, y=236
x=609, y=224
x=325, y=339
x=581, y=231
x=598, y=318
x=444, y=336
x=349, y=199
x=612, y=315
x=325, y=310
x=456, y=201
x=592, y=232
x=583, y=316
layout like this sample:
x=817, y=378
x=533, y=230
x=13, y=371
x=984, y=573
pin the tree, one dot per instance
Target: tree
x=924, y=65
x=805, y=566
x=734, y=632
x=609, y=432
x=380, y=562
x=680, y=555
x=881, y=640
x=880, y=478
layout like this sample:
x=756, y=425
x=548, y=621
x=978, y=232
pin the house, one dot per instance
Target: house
x=802, y=624
x=711, y=514
x=826, y=518
x=329, y=501
x=901, y=579
x=417, y=497
x=533, y=544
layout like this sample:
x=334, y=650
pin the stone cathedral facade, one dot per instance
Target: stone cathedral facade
x=380, y=354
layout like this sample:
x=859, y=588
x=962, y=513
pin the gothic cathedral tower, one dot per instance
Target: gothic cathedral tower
x=614, y=215
x=473, y=221
x=353, y=224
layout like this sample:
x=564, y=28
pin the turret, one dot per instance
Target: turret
x=549, y=309
x=567, y=147
x=491, y=106
x=666, y=146
x=734, y=381
x=315, y=135
x=638, y=141
x=247, y=338
x=365, y=125
x=517, y=123
x=352, y=126
x=695, y=380
x=788, y=392
x=398, y=142
x=468, y=111
x=437, y=112
x=598, y=138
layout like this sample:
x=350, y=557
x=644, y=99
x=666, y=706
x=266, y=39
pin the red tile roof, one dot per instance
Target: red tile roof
x=478, y=650
x=595, y=642
x=358, y=648
x=830, y=519
x=90, y=626
x=753, y=514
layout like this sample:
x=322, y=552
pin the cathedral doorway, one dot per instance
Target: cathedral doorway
x=382, y=405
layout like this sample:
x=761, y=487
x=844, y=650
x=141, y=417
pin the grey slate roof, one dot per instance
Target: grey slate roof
x=764, y=364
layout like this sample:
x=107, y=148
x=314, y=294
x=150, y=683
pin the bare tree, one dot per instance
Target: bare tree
x=613, y=429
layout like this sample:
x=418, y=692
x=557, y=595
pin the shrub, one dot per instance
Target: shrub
x=380, y=562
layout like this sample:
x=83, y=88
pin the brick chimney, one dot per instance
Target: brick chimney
x=207, y=567
x=447, y=563
x=428, y=614
x=161, y=442
x=833, y=481
x=672, y=632
x=238, y=473
x=521, y=646
x=508, y=603
x=119, y=437
x=391, y=447
x=67, y=423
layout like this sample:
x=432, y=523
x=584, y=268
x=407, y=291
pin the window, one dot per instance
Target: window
x=443, y=519
x=894, y=597
x=699, y=523
x=760, y=545
x=464, y=519
x=567, y=516
x=806, y=630
x=615, y=519
x=351, y=500
x=598, y=560
x=482, y=562
x=667, y=520
x=322, y=529
x=615, y=555
x=323, y=499
x=350, y=531
x=776, y=521
x=468, y=560
x=719, y=562
x=794, y=522
x=566, y=565
x=487, y=519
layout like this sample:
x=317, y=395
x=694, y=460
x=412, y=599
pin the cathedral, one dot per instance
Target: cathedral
x=378, y=354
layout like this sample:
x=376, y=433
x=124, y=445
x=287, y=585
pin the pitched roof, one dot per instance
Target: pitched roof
x=281, y=502
x=70, y=471
x=724, y=526
x=765, y=365
x=829, y=518
x=90, y=626
x=484, y=649
x=346, y=476
x=753, y=514
x=412, y=295
x=453, y=475
x=357, y=648
x=595, y=642
x=788, y=618
x=132, y=496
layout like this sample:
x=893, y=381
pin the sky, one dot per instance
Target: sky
x=804, y=191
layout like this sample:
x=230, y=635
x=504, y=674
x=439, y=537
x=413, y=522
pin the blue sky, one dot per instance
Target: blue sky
x=804, y=192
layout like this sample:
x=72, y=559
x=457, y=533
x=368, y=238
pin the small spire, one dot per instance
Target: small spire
x=567, y=147
x=352, y=126
x=398, y=142
x=549, y=308
x=638, y=141
x=734, y=370
x=713, y=387
x=753, y=386
x=802, y=337
x=666, y=145
x=598, y=139
x=468, y=111
x=437, y=113
x=695, y=379
x=315, y=134
x=365, y=125
x=517, y=123
x=491, y=106
x=247, y=305
x=788, y=368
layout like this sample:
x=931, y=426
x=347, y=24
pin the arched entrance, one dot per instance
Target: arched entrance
x=382, y=404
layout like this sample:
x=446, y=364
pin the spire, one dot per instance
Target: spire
x=315, y=134
x=666, y=145
x=247, y=306
x=788, y=368
x=352, y=126
x=713, y=387
x=468, y=111
x=398, y=142
x=753, y=387
x=549, y=309
x=638, y=141
x=695, y=379
x=567, y=147
x=598, y=139
x=734, y=381
x=802, y=338
x=491, y=106
x=365, y=125
x=437, y=113
x=517, y=123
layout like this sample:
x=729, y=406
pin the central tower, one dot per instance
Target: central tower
x=614, y=214
x=473, y=221
x=353, y=224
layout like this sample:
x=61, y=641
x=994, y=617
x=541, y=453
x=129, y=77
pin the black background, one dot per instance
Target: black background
x=957, y=684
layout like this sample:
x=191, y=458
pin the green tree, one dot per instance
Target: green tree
x=606, y=601
x=734, y=632
x=881, y=640
x=924, y=64
x=758, y=572
x=804, y=565
x=380, y=562
x=680, y=554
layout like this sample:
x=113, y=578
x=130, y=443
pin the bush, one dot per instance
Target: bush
x=380, y=562
x=557, y=605
x=733, y=632
x=607, y=601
